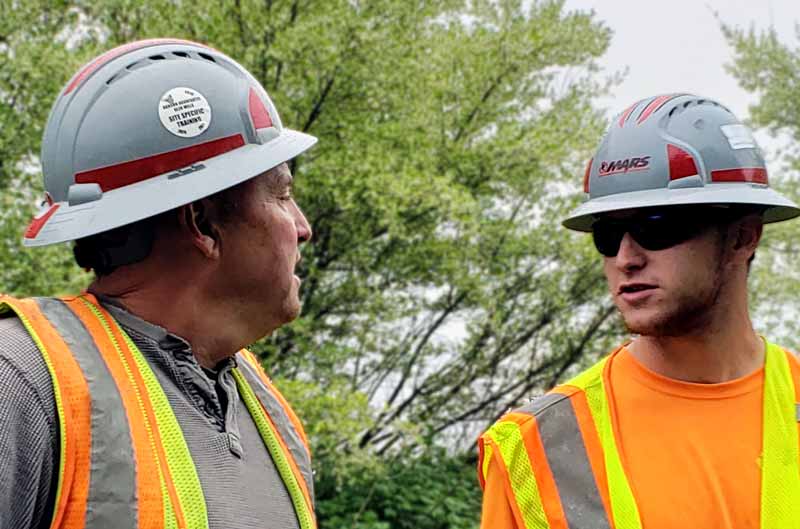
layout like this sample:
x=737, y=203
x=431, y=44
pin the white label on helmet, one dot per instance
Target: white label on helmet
x=739, y=136
x=184, y=112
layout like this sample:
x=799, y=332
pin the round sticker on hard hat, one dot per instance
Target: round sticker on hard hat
x=184, y=112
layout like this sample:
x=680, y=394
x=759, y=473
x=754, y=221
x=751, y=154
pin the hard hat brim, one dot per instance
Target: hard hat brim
x=164, y=192
x=777, y=207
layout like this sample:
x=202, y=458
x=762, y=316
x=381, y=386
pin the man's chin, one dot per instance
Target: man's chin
x=649, y=324
x=291, y=310
x=663, y=327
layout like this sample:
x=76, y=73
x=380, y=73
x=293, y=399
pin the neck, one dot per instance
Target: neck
x=726, y=349
x=183, y=304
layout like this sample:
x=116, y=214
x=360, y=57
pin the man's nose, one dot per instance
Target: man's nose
x=630, y=256
x=304, y=232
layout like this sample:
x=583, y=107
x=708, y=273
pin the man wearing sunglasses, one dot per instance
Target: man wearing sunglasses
x=694, y=422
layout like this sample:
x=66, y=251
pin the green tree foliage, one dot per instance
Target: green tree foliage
x=440, y=288
x=434, y=491
x=34, y=63
x=770, y=69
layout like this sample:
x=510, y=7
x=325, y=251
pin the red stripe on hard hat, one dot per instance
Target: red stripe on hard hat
x=91, y=67
x=586, y=175
x=681, y=163
x=654, y=105
x=627, y=114
x=38, y=223
x=258, y=112
x=756, y=175
x=126, y=173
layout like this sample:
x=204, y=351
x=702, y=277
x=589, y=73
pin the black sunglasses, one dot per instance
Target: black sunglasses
x=657, y=230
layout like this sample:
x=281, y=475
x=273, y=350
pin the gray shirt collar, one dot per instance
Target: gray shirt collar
x=172, y=356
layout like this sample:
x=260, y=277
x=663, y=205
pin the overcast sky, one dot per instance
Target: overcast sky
x=677, y=46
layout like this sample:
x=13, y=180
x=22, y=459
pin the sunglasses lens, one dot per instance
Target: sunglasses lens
x=607, y=237
x=652, y=232
x=659, y=232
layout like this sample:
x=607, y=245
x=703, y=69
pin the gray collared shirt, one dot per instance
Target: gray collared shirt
x=240, y=482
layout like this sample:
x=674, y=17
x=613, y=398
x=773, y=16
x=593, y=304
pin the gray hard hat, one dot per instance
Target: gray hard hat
x=148, y=127
x=677, y=149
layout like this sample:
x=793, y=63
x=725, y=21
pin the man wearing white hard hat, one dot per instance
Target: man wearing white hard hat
x=694, y=421
x=135, y=404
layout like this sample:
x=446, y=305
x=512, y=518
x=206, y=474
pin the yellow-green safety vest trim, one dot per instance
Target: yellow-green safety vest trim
x=487, y=460
x=624, y=510
x=62, y=422
x=272, y=443
x=780, y=457
x=780, y=461
x=507, y=437
x=179, y=460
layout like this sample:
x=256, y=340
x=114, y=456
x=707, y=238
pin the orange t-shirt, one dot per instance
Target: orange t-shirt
x=690, y=451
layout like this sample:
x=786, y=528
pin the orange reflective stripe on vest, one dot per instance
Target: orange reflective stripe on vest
x=123, y=460
x=568, y=459
x=111, y=494
x=153, y=479
x=542, y=444
x=72, y=403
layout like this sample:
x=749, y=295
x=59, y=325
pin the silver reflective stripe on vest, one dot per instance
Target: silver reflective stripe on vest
x=282, y=422
x=111, y=502
x=568, y=461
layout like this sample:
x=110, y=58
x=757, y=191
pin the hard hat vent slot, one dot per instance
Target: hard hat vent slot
x=155, y=58
x=115, y=77
x=136, y=65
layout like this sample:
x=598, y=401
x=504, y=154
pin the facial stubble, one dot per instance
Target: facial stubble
x=693, y=309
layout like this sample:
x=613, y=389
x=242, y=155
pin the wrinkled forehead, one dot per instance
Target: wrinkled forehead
x=277, y=178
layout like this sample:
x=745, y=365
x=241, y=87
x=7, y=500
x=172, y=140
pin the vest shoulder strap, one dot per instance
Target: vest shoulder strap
x=73, y=407
x=251, y=359
x=550, y=458
x=281, y=432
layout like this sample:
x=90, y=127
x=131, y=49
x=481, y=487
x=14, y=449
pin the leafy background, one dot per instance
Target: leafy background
x=440, y=289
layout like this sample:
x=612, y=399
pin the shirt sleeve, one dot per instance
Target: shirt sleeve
x=496, y=512
x=28, y=444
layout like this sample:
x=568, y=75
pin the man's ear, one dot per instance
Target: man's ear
x=197, y=220
x=748, y=235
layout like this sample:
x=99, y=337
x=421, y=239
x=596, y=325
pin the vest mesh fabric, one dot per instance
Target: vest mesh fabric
x=508, y=438
x=240, y=483
x=780, y=487
x=29, y=439
x=241, y=492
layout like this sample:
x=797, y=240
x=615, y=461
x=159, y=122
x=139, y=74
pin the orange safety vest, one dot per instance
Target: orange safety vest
x=562, y=470
x=123, y=459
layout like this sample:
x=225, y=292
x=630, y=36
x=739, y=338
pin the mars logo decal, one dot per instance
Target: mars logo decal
x=627, y=165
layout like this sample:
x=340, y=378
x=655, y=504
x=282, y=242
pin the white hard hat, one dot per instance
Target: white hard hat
x=677, y=150
x=148, y=127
